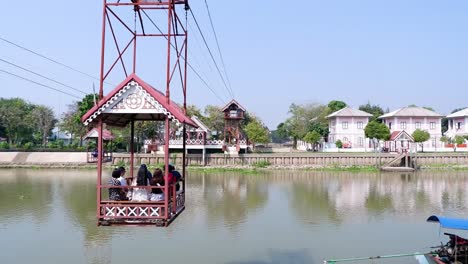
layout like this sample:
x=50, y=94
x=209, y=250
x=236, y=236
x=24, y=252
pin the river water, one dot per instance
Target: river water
x=48, y=216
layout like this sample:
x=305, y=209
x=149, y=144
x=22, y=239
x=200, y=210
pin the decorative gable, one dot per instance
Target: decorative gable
x=131, y=99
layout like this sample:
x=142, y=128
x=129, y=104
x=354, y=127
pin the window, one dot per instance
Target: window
x=390, y=125
x=344, y=125
x=233, y=113
x=418, y=125
x=345, y=140
x=458, y=125
x=433, y=142
x=432, y=125
x=360, y=141
x=403, y=125
x=359, y=125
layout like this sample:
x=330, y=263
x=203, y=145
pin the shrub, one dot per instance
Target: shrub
x=261, y=164
x=28, y=145
x=4, y=145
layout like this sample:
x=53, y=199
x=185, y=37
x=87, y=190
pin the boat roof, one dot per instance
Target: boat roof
x=452, y=223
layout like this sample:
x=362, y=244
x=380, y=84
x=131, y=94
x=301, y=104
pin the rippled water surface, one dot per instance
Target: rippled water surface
x=48, y=216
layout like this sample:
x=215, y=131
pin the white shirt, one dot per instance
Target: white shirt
x=123, y=181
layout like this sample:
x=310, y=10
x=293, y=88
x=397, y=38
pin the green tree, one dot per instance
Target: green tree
x=339, y=144
x=312, y=137
x=44, y=121
x=214, y=119
x=421, y=136
x=376, y=131
x=193, y=110
x=459, y=140
x=71, y=120
x=374, y=110
x=256, y=132
x=445, y=139
x=335, y=105
x=17, y=120
x=305, y=118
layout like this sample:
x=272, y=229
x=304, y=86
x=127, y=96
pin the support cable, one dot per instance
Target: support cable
x=51, y=60
x=40, y=75
x=219, y=49
x=211, y=54
x=40, y=84
x=190, y=66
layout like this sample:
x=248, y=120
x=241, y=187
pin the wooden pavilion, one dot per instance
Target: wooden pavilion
x=135, y=100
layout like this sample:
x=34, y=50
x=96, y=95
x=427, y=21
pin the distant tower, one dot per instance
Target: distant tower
x=233, y=114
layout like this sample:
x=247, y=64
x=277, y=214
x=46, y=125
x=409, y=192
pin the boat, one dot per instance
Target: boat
x=455, y=251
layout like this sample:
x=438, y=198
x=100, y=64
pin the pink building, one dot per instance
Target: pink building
x=348, y=126
x=457, y=124
x=408, y=119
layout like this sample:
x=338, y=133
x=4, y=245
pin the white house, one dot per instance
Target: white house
x=348, y=126
x=410, y=118
x=457, y=124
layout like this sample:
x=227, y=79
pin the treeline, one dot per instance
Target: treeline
x=24, y=124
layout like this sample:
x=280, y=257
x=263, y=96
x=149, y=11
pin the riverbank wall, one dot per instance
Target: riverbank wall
x=318, y=160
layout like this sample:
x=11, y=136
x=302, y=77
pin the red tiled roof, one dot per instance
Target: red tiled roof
x=119, y=119
x=396, y=134
x=93, y=133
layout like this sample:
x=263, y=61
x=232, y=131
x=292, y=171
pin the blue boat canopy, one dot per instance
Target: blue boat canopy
x=452, y=223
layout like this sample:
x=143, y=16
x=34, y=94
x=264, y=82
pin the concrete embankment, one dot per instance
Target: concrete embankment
x=43, y=159
x=287, y=160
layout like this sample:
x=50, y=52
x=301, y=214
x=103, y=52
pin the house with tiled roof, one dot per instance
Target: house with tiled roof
x=347, y=125
x=408, y=119
x=457, y=124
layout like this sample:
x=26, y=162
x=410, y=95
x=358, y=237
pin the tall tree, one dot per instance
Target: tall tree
x=335, y=105
x=374, y=110
x=257, y=132
x=45, y=121
x=16, y=118
x=421, y=136
x=305, y=118
x=376, y=131
x=193, y=110
x=214, y=119
x=71, y=120
x=312, y=137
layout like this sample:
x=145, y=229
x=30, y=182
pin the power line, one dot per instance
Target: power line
x=40, y=75
x=219, y=49
x=50, y=59
x=211, y=54
x=40, y=84
x=190, y=66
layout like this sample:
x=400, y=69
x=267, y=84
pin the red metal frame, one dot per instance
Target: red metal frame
x=176, y=29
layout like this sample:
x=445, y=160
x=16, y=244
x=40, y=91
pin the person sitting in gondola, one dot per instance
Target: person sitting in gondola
x=176, y=176
x=143, y=179
x=157, y=194
x=116, y=194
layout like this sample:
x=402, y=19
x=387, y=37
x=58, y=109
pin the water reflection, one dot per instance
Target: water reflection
x=267, y=217
x=24, y=194
x=229, y=198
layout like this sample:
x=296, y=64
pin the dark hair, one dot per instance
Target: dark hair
x=122, y=169
x=116, y=173
x=142, y=175
x=171, y=167
x=157, y=177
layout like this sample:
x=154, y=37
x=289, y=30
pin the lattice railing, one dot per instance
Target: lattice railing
x=131, y=211
x=215, y=142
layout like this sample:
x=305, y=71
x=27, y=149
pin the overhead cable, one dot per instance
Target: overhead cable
x=40, y=75
x=40, y=84
x=219, y=49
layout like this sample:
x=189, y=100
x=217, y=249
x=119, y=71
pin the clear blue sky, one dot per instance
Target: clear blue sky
x=391, y=53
